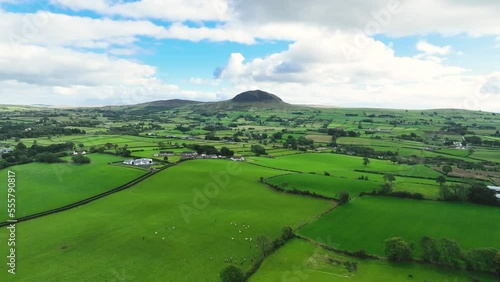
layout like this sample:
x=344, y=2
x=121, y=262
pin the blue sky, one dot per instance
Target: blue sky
x=392, y=54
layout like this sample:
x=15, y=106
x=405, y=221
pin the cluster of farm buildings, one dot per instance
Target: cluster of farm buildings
x=184, y=156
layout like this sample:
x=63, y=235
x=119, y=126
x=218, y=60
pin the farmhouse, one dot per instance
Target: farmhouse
x=79, y=153
x=164, y=154
x=188, y=155
x=237, y=159
x=138, y=162
x=496, y=189
x=6, y=150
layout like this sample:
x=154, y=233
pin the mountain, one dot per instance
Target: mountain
x=256, y=96
x=168, y=104
x=254, y=100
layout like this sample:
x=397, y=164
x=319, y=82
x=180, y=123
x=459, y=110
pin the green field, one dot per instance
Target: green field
x=488, y=155
x=195, y=217
x=324, y=185
x=324, y=162
x=366, y=222
x=331, y=186
x=303, y=261
x=42, y=187
x=106, y=236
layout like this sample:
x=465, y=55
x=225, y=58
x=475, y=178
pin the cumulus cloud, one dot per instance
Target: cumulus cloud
x=63, y=67
x=430, y=49
x=172, y=10
x=409, y=18
x=376, y=76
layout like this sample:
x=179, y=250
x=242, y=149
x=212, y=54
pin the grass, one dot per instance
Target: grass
x=335, y=163
x=366, y=222
x=322, y=162
x=299, y=260
x=324, y=185
x=330, y=186
x=106, y=236
x=488, y=155
x=42, y=187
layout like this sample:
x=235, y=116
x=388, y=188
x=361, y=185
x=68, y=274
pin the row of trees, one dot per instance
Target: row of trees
x=211, y=150
x=43, y=154
x=444, y=252
x=476, y=193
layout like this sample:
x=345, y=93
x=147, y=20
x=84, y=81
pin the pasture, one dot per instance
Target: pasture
x=366, y=222
x=336, y=163
x=42, y=187
x=331, y=186
x=299, y=260
x=195, y=233
x=324, y=185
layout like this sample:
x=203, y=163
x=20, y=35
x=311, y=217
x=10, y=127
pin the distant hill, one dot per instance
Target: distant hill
x=169, y=104
x=155, y=106
x=254, y=100
x=256, y=96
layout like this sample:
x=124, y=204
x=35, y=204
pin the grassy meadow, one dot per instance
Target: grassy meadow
x=195, y=236
x=42, y=187
x=367, y=221
x=299, y=260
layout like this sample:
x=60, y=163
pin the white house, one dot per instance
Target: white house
x=6, y=150
x=496, y=189
x=138, y=162
x=237, y=159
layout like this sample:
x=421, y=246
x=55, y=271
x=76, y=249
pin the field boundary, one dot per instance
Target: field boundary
x=339, y=251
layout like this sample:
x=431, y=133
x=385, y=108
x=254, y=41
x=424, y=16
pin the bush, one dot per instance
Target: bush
x=232, y=274
x=344, y=197
x=360, y=254
x=47, y=158
x=80, y=159
x=259, y=150
x=397, y=249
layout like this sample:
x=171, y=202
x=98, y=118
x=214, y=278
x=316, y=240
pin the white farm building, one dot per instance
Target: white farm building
x=139, y=162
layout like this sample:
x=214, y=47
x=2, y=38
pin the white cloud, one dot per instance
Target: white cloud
x=171, y=10
x=50, y=29
x=375, y=77
x=430, y=49
x=36, y=74
x=63, y=67
x=498, y=41
x=414, y=17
